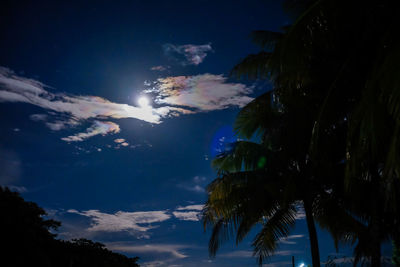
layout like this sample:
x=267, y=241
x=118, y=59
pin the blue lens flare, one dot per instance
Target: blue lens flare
x=222, y=140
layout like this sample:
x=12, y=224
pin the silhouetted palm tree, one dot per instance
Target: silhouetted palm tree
x=337, y=65
x=263, y=183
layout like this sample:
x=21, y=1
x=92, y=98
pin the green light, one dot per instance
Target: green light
x=261, y=162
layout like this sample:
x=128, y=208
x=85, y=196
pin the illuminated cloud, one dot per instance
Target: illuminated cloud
x=119, y=140
x=187, y=54
x=200, y=93
x=187, y=215
x=123, y=221
x=174, y=96
x=290, y=240
x=127, y=247
x=14, y=88
x=191, y=207
x=99, y=127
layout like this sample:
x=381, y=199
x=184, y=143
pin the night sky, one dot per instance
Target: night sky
x=111, y=112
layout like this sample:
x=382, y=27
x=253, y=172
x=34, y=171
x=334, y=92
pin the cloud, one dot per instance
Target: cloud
x=191, y=207
x=136, y=223
x=98, y=127
x=301, y=214
x=132, y=222
x=119, y=140
x=174, y=96
x=73, y=109
x=171, y=249
x=55, y=125
x=195, y=188
x=290, y=239
x=14, y=88
x=159, y=68
x=187, y=215
x=238, y=254
x=197, y=184
x=200, y=93
x=59, y=125
x=38, y=117
x=187, y=54
x=19, y=189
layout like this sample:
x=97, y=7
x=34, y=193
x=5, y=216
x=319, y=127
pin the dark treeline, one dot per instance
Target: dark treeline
x=328, y=134
x=26, y=240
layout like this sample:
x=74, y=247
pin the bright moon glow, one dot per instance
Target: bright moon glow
x=302, y=265
x=143, y=101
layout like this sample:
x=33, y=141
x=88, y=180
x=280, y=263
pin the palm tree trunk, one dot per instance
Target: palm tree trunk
x=375, y=223
x=312, y=232
x=376, y=257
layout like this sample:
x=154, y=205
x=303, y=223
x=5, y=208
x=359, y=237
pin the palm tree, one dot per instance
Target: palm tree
x=344, y=81
x=359, y=93
x=263, y=183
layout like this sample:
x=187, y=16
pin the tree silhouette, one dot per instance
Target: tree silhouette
x=264, y=183
x=336, y=66
x=26, y=240
x=396, y=254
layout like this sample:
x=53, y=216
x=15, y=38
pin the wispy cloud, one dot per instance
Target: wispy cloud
x=187, y=215
x=290, y=240
x=188, y=54
x=173, y=96
x=98, y=127
x=14, y=88
x=73, y=109
x=19, y=189
x=138, y=221
x=123, y=221
x=159, y=68
x=238, y=254
x=200, y=93
x=171, y=249
x=197, y=184
x=191, y=207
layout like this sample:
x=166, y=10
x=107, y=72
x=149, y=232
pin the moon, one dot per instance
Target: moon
x=143, y=101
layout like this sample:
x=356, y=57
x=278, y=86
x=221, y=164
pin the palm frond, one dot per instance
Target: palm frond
x=266, y=39
x=276, y=227
x=243, y=155
x=256, y=117
x=253, y=66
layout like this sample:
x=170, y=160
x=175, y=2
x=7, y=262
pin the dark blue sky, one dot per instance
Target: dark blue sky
x=74, y=139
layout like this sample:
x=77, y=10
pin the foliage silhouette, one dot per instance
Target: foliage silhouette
x=26, y=240
x=336, y=66
x=396, y=254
